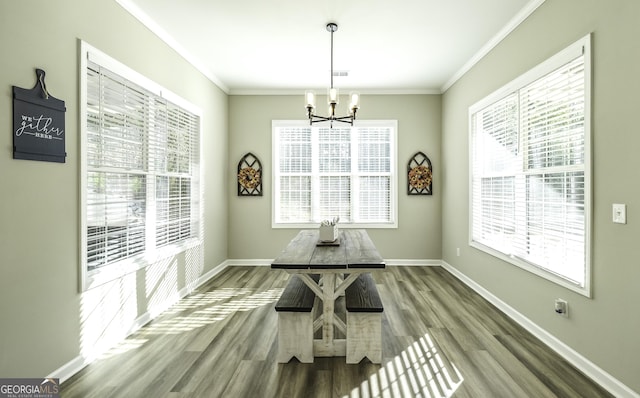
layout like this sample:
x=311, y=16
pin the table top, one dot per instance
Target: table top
x=355, y=250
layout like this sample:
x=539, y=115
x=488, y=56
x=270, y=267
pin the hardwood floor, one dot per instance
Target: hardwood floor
x=440, y=339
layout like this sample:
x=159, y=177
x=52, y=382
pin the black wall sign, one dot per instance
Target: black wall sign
x=38, y=123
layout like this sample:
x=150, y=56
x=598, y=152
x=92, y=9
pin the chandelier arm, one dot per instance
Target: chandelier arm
x=341, y=118
x=329, y=120
x=318, y=119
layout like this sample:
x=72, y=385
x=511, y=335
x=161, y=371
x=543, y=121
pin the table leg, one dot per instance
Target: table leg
x=328, y=290
x=328, y=309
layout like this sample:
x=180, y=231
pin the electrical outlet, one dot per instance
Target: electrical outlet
x=458, y=251
x=562, y=308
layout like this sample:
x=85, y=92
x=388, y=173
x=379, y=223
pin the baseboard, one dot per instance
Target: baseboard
x=412, y=263
x=78, y=363
x=389, y=262
x=250, y=262
x=598, y=375
x=209, y=274
x=69, y=369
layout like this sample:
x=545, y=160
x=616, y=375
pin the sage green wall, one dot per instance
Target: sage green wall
x=418, y=234
x=604, y=328
x=45, y=321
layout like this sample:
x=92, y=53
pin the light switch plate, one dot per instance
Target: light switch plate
x=619, y=213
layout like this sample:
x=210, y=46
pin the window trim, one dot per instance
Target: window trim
x=580, y=47
x=90, y=279
x=393, y=124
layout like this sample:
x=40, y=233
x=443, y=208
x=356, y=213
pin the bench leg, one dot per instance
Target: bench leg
x=295, y=336
x=364, y=336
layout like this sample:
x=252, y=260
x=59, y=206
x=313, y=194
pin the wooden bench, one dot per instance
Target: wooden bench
x=295, y=321
x=364, y=320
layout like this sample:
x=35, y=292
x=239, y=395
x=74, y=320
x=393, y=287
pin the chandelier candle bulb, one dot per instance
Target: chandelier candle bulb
x=310, y=98
x=355, y=101
x=333, y=96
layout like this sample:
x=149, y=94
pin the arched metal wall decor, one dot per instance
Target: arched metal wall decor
x=419, y=175
x=249, y=176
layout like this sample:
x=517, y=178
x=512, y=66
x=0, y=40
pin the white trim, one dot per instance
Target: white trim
x=392, y=262
x=210, y=274
x=364, y=91
x=162, y=34
x=528, y=9
x=388, y=262
x=66, y=371
x=588, y=170
x=72, y=367
x=82, y=126
x=250, y=262
x=591, y=370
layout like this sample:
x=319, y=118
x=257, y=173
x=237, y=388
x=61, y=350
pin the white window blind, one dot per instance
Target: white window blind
x=175, y=151
x=529, y=171
x=142, y=170
x=347, y=172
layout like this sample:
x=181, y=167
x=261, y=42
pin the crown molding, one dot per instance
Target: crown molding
x=527, y=10
x=147, y=21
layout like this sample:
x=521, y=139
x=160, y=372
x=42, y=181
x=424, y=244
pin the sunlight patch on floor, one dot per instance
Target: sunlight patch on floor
x=123, y=347
x=420, y=370
x=212, y=311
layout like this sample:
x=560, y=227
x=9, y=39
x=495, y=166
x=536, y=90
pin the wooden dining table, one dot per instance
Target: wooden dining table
x=352, y=254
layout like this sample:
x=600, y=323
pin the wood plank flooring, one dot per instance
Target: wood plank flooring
x=440, y=339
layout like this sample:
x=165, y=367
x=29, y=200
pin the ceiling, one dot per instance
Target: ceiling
x=282, y=46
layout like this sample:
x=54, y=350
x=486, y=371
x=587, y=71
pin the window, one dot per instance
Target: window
x=140, y=169
x=530, y=175
x=346, y=172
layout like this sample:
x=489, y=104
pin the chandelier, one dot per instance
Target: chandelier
x=332, y=97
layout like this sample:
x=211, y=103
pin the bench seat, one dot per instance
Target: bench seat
x=296, y=297
x=364, y=320
x=362, y=295
x=295, y=321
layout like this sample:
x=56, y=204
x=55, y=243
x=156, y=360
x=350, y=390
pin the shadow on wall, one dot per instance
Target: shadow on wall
x=112, y=311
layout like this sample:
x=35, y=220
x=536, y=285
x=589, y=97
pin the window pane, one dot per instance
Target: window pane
x=496, y=226
x=295, y=150
x=375, y=199
x=496, y=139
x=374, y=150
x=555, y=223
x=295, y=199
x=553, y=118
x=118, y=130
x=173, y=210
x=334, y=150
x=115, y=217
x=335, y=198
